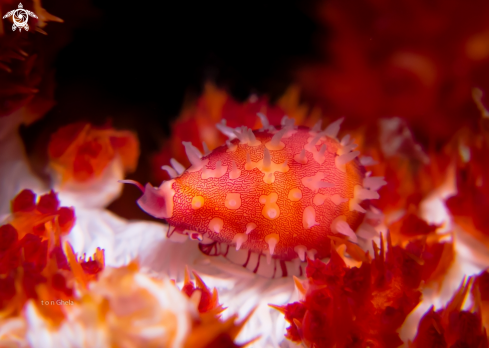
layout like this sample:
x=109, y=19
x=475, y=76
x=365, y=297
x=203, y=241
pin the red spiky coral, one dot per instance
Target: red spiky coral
x=411, y=172
x=424, y=245
x=413, y=59
x=480, y=294
x=355, y=307
x=20, y=75
x=26, y=83
x=207, y=301
x=32, y=256
x=210, y=332
x=451, y=326
x=470, y=205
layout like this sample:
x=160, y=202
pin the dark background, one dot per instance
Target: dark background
x=136, y=62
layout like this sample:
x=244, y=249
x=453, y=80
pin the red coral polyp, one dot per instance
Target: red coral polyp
x=60, y=257
x=48, y=203
x=8, y=237
x=66, y=218
x=91, y=267
x=451, y=326
x=350, y=307
x=25, y=201
x=46, y=210
x=7, y=290
x=58, y=282
x=33, y=264
x=208, y=301
x=294, y=311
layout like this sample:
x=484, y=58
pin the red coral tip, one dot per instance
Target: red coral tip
x=24, y=201
x=66, y=218
x=48, y=203
x=8, y=237
x=91, y=267
x=59, y=283
x=61, y=260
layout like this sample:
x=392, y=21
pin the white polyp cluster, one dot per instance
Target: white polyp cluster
x=271, y=210
x=366, y=231
x=175, y=170
x=309, y=218
x=301, y=157
x=319, y=199
x=314, y=183
x=250, y=226
x=272, y=241
x=339, y=225
x=239, y=239
x=360, y=194
x=179, y=168
x=287, y=122
x=275, y=143
x=348, y=147
x=234, y=173
x=231, y=147
x=233, y=201
x=216, y=224
x=311, y=254
x=287, y=130
x=246, y=136
x=319, y=156
x=266, y=166
x=171, y=172
x=295, y=195
x=227, y=131
x=345, y=140
x=333, y=129
x=374, y=182
x=206, y=149
x=264, y=121
x=214, y=173
x=301, y=252
x=194, y=156
x=341, y=161
x=337, y=199
x=197, y=202
x=367, y=161
x=192, y=152
x=267, y=160
x=311, y=146
x=317, y=127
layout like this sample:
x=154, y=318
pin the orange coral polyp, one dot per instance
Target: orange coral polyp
x=81, y=151
x=259, y=170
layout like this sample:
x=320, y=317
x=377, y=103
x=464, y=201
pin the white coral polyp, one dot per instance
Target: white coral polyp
x=124, y=308
x=95, y=193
